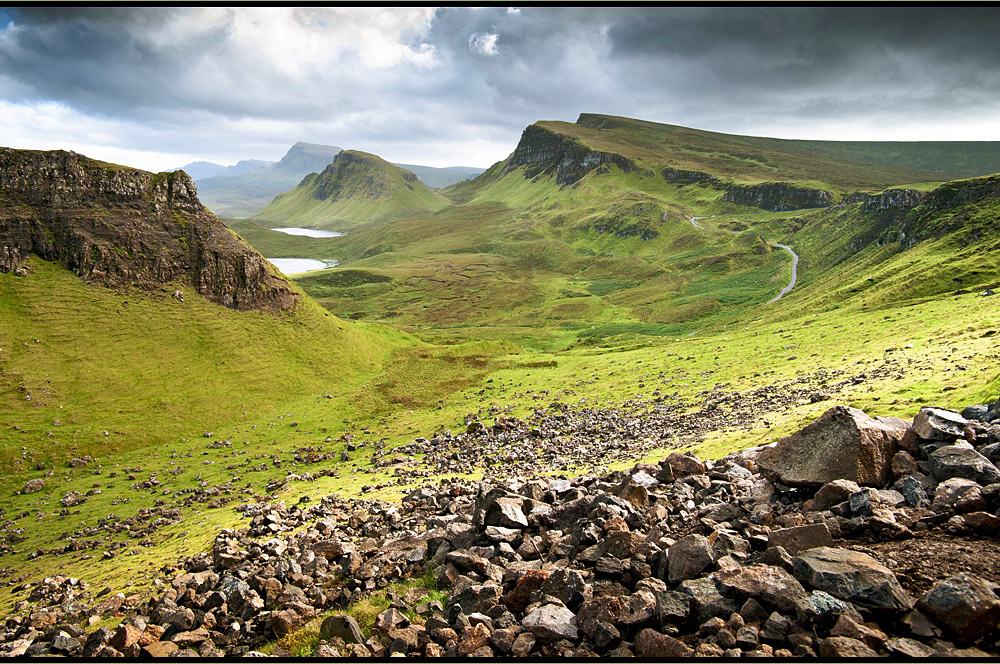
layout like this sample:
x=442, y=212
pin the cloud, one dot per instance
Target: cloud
x=484, y=43
x=457, y=85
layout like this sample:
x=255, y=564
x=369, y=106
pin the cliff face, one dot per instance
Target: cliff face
x=543, y=152
x=118, y=227
x=777, y=196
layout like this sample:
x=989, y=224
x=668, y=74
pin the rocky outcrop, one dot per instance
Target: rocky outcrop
x=542, y=152
x=777, y=196
x=121, y=227
x=684, y=557
x=894, y=201
x=682, y=176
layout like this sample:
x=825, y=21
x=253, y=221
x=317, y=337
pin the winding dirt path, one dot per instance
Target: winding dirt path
x=795, y=256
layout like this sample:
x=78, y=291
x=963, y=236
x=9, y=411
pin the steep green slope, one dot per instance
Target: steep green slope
x=357, y=188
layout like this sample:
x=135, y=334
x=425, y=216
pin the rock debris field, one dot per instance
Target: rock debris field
x=855, y=536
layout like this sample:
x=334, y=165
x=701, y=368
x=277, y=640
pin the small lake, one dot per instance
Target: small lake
x=307, y=232
x=296, y=265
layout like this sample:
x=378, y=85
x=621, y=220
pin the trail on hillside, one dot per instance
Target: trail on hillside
x=795, y=256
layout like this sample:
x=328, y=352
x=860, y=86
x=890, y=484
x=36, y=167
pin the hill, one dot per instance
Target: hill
x=244, y=194
x=585, y=231
x=357, y=188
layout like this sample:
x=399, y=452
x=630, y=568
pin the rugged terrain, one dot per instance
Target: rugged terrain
x=794, y=549
x=121, y=227
x=193, y=478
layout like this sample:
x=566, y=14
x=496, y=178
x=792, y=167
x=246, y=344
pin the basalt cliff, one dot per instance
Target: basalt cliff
x=120, y=227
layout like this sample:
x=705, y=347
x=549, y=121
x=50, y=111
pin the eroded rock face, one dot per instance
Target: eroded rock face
x=121, y=227
x=844, y=443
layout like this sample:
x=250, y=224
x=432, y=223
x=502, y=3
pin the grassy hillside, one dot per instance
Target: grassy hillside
x=355, y=189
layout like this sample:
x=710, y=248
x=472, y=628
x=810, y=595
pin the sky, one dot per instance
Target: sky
x=159, y=87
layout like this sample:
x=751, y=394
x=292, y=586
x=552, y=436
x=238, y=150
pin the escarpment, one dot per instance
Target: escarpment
x=777, y=196
x=120, y=227
x=351, y=174
x=543, y=152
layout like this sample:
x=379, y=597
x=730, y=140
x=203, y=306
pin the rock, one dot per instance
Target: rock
x=706, y=600
x=872, y=637
x=910, y=648
x=518, y=597
x=952, y=492
x=771, y=585
x=965, y=604
x=651, y=644
x=799, y=538
x=600, y=609
x=568, y=586
x=903, y=463
x=551, y=622
x=31, y=486
x=851, y=576
x=523, y=644
x=844, y=443
x=125, y=636
x=474, y=639
x=823, y=610
x=688, y=557
x=191, y=638
x=344, y=627
x=977, y=412
x=938, y=424
x=160, y=649
x=834, y=493
x=844, y=646
x=638, y=610
x=962, y=461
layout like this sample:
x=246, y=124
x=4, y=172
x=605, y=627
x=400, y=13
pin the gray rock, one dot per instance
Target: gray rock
x=34, y=485
x=638, y=610
x=834, y=493
x=977, y=412
x=822, y=610
x=844, y=443
x=962, y=461
x=913, y=492
x=852, y=576
x=551, y=623
x=938, y=424
x=344, y=627
x=965, y=604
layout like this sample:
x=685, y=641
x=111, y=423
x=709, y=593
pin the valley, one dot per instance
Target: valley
x=612, y=294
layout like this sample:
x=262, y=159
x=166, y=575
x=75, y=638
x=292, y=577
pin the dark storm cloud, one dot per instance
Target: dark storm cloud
x=375, y=78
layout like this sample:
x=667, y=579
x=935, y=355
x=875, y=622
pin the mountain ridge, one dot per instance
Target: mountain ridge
x=120, y=227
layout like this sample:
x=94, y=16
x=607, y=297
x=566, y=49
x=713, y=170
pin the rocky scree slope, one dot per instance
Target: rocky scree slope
x=121, y=227
x=856, y=536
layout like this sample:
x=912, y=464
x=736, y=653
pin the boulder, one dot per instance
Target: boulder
x=800, y=538
x=650, y=644
x=34, y=485
x=551, y=623
x=771, y=585
x=938, y=424
x=834, y=493
x=688, y=557
x=962, y=461
x=851, y=576
x=844, y=443
x=344, y=627
x=965, y=604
